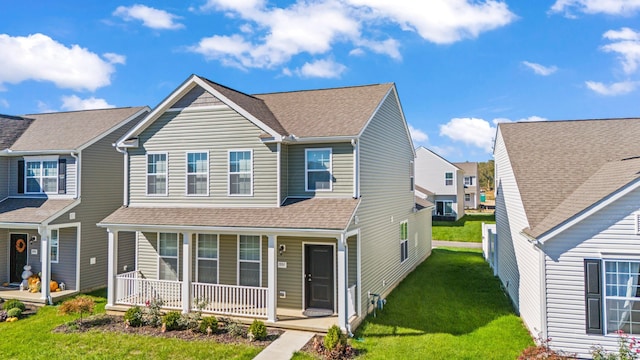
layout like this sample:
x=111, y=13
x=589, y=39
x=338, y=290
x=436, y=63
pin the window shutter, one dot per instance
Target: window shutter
x=593, y=296
x=62, y=176
x=20, y=176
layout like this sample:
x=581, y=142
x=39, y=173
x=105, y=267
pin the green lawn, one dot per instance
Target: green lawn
x=467, y=229
x=450, y=307
x=32, y=338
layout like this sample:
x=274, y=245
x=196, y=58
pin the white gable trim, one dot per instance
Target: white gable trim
x=590, y=211
x=176, y=95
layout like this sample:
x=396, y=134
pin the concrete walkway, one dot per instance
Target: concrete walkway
x=284, y=347
x=459, y=244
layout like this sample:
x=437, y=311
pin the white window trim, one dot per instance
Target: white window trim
x=186, y=171
x=412, y=175
x=403, y=241
x=177, y=257
x=452, y=178
x=249, y=261
x=307, y=170
x=229, y=173
x=166, y=173
x=198, y=258
x=603, y=275
x=57, y=245
x=41, y=159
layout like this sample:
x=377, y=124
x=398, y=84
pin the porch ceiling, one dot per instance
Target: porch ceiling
x=23, y=210
x=326, y=214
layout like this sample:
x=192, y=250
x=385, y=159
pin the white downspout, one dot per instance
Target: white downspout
x=356, y=168
x=77, y=159
x=125, y=200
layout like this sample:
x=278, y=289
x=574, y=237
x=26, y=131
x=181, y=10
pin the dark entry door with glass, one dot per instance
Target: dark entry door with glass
x=319, y=276
x=17, y=257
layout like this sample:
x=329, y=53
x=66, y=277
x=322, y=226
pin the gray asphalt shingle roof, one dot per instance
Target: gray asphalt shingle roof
x=11, y=128
x=30, y=210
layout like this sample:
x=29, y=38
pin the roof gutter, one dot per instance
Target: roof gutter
x=292, y=139
x=7, y=152
x=227, y=229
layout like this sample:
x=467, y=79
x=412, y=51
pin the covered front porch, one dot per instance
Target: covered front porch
x=34, y=298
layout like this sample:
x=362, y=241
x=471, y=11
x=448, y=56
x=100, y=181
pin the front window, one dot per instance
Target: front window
x=467, y=197
x=207, y=258
x=240, y=173
x=448, y=178
x=54, y=246
x=197, y=173
x=168, y=256
x=318, y=169
x=42, y=176
x=157, y=174
x=404, y=241
x=622, y=296
x=249, y=260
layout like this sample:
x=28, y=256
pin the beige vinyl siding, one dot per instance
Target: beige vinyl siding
x=197, y=97
x=215, y=130
x=284, y=172
x=342, y=170
x=352, y=276
x=4, y=177
x=70, y=177
x=518, y=264
x=148, y=254
x=290, y=278
x=387, y=200
x=126, y=251
x=607, y=233
x=228, y=260
x=65, y=269
x=102, y=186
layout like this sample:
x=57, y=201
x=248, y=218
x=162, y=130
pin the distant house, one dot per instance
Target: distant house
x=442, y=179
x=59, y=176
x=568, y=239
x=277, y=206
x=471, y=186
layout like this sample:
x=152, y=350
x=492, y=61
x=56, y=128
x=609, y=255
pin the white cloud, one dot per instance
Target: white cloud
x=150, y=17
x=623, y=34
x=609, y=7
x=618, y=88
x=418, y=136
x=540, y=69
x=73, y=102
x=273, y=35
x=115, y=58
x=40, y=58
x=356, y=52
x=4, y=103
x=496, y=121
x=321, y=69
x=626, y=45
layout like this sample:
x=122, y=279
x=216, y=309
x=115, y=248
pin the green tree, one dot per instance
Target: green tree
x=485, y=174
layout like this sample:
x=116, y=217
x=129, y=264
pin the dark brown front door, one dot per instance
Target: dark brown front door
x=319, y=276
x=18, y=256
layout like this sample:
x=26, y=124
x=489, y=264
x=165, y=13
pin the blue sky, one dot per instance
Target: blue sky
x=460, y=66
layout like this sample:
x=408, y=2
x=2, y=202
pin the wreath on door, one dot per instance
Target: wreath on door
x=21, y=245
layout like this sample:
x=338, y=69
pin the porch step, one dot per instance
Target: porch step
x=284, y=347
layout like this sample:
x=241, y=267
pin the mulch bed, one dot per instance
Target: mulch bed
x=315, y=346
x=114, y=323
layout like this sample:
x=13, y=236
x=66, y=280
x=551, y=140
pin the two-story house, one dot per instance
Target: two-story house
x=471, y=186
x=275, y=206
x=59, y=176
x=444, y=181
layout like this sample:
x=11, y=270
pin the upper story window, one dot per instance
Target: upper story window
x=240, y=172
x=404, y=241
x=448, y=178
x=198, y=173
x=318, y=169
x=157, y=174
x=469, y=180
x=41, y=175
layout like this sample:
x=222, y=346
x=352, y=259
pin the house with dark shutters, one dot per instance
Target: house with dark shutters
x=278, y=206
x=59, y=176
x=567, y=248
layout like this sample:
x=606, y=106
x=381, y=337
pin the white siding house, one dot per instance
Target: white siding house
x=444, y=180
x=568, y=245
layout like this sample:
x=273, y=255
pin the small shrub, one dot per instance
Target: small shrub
x=152, y=315
x=133, y=316
x=3, y=315
x=544, y=351
x=628, y=349
x=334, y=338
x=190, y=321
x=235, y=329
x=209, y=322
x=78, y=305
x=257, y=330
x=172, y=320
x=12, y=304
x=14, y=312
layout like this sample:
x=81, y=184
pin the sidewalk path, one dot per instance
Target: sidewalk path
x=284, y=347
x=459, y=244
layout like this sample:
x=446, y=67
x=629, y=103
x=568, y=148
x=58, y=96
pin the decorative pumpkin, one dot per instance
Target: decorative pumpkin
x=53, y=285
x=34, y=283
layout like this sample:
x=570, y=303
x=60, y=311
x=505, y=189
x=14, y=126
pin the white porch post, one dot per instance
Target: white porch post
x=343, y=312
x=45, y=258
x=271, y=279
x=112, y=267
x=186, y=272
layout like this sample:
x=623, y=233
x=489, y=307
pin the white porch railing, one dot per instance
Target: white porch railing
x=230, y=299
x=132, y=289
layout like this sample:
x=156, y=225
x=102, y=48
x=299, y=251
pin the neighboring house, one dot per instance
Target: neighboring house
x=59, y=176
x=269, y=206
x=568, y=240
x=471, y=186
x=444, y=180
